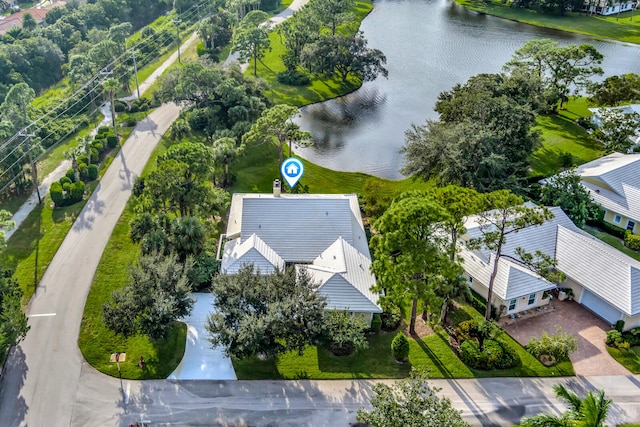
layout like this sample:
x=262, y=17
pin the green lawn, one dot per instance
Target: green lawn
x=626, y=28
x=96, y=341
x=560, y=134
x=431, y=353
x=321, y=88
x=629, y=358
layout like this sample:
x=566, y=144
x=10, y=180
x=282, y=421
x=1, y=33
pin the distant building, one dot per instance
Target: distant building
x=604, y=7
x=15, y=19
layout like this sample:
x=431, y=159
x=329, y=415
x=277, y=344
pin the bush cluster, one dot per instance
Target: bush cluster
x=390, y=318
x=482, y=348
x=293, y=78
x=558, y=345
x=631, y=241
x=616, y=338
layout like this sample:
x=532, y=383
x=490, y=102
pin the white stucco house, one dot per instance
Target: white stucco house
x=613, y=182
x=603, y=7
x=603, y=279
x=322, y=233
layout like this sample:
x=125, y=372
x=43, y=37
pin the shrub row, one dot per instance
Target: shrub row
x=493, y=354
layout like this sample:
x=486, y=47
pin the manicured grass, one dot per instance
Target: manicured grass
x=431, y=353
x=612, y=240
x=32, y=247
x=560, y=134
x=629, y=358
x=256, y=170
x=321, y=88
x=96, y=341
x=626, y=28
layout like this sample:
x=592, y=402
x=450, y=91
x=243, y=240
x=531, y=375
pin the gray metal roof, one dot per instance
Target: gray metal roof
x=252, y=251
x=344, y=276
x=298, y=226
x=614, y=182
x=602, y=269
x=323, y=233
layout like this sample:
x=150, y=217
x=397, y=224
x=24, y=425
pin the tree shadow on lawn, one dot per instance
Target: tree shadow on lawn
x=446, y=373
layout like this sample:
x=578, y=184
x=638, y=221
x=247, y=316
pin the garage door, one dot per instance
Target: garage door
x=600, y=307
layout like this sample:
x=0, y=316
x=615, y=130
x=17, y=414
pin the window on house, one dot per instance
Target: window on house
x=532, y=299
x=630, y=225
x=617, y=219
x=512, y=304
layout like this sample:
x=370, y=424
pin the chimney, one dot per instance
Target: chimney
x=276, y=188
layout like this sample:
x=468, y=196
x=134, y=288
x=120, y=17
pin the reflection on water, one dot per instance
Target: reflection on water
x=430, y=46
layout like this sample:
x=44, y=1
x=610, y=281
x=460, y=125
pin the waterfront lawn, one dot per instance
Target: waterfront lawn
x=561, y=134
x=255, y=171
x=321, y=88
x=629, y=358
x=432, y=353
x=626, y=28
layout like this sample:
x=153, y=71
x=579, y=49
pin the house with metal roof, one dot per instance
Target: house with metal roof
x=613, y=182
x=320, y=233
x=603, y=279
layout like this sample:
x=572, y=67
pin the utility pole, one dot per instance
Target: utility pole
x=177, y=24
x=34, y=169
x=135, y=70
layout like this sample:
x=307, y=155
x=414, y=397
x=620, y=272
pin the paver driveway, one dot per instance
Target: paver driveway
x=592, y=357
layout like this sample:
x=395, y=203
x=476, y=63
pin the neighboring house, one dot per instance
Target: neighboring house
x=604, y=7
x=626, y=109
x=322, y=233
x=15, y=19
x=613, y=182
x=603, y=279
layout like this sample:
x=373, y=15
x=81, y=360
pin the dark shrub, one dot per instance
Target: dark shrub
x=619, y=326
x=400, y=347
x=64, y=180
x=131, y=122
x=204, y=267
x=82, y=159
x=95, y=156
x=376, y=322
x=391, y=317
x=77, y=191
x=119, y=106
x=103, y=129
x=56, y=194
x=100, y=136
x=566, y=160
x=134, y=108
x=98, y=146
x=84, y=172
x=112, y=141
x=71, y=174
x=92, y=172
x=293, y=78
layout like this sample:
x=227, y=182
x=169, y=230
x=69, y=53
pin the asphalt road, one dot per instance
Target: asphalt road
x=42, y=374
x=104, y=401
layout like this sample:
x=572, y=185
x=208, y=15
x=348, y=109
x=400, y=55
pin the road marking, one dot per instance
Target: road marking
x=126, y=395
x=42, y=315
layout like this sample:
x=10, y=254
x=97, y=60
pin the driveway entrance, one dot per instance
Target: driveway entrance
x=591, y=358
x=200, y=361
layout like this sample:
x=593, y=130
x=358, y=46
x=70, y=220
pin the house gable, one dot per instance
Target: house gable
x=252, y=251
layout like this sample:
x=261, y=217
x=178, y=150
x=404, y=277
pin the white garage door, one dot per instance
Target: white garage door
x=600, y=307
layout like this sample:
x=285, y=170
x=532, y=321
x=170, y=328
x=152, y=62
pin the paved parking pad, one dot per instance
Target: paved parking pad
x=592, y=357
x=200, y=361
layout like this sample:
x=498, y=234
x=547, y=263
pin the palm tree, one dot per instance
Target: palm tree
x=111, y=85
x=591, y=411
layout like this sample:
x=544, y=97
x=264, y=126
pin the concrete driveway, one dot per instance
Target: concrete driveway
x=200, y=361
x=592, y=357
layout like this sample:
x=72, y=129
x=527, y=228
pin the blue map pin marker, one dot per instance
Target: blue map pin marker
x=292, y=170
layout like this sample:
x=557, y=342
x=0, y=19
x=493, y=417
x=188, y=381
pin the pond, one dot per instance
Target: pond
x=430, y=46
